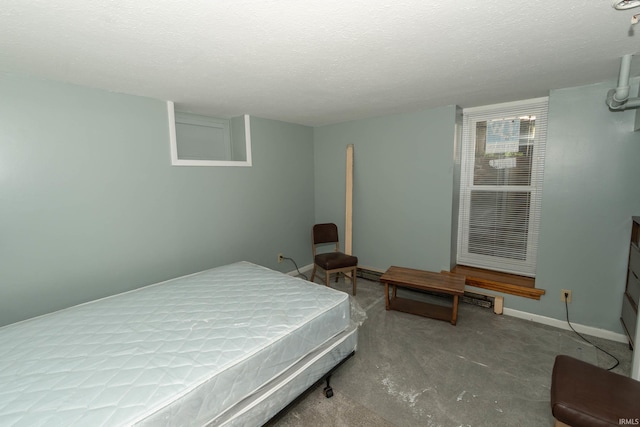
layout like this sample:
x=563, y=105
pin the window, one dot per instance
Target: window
x=503, y=148
x=202, y=137
x=197, y=140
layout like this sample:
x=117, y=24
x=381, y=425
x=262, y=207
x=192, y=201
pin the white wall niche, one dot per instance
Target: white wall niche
x=198, y=140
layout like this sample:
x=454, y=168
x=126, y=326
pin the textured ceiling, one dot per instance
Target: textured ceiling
x=317, y=62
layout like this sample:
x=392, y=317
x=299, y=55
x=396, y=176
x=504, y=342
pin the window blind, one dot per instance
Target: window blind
x=503, y=152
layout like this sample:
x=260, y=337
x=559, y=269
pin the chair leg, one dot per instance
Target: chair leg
x=313, y=273
x=337, y=276
x=328, y=278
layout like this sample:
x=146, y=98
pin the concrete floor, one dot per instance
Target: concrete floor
x=488, y=370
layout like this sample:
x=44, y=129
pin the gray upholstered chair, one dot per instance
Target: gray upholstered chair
x=332, y=262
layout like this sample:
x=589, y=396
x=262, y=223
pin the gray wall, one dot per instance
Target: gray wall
x=90, y=206
x=402, y=185
x=591, y=190
x=403, y=193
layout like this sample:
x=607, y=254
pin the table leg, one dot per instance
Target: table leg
x=386, y=296
x=454, y=318
x=395, y=291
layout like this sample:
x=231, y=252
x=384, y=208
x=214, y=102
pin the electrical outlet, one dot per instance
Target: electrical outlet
x=566, y=292
x=280, y=258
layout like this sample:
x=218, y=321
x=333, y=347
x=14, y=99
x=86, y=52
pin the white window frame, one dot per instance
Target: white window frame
x=471, y=116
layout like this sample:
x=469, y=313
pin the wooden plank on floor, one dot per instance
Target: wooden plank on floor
x=495, y=276
x=511, y=284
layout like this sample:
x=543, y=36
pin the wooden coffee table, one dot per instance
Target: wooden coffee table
x=427, y=281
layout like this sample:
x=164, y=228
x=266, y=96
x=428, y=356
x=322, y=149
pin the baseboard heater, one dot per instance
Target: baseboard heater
x=495, y=302
x=364, y=273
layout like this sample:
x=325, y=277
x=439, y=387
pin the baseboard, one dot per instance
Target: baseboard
x=562, y=324
x=371, y=269
x=302, y=269
x=362, y=272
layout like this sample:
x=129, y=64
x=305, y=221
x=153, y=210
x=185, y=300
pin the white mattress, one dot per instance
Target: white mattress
x=182, y=351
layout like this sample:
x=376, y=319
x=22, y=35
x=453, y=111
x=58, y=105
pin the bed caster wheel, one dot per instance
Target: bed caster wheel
x=328, y=392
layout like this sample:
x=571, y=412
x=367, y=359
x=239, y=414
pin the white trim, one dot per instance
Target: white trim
x=514, y=104
x=172, y=132
x=247, y=136
x=562, y=324
x=175, y=161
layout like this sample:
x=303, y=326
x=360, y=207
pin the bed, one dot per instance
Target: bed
x=228, y=346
